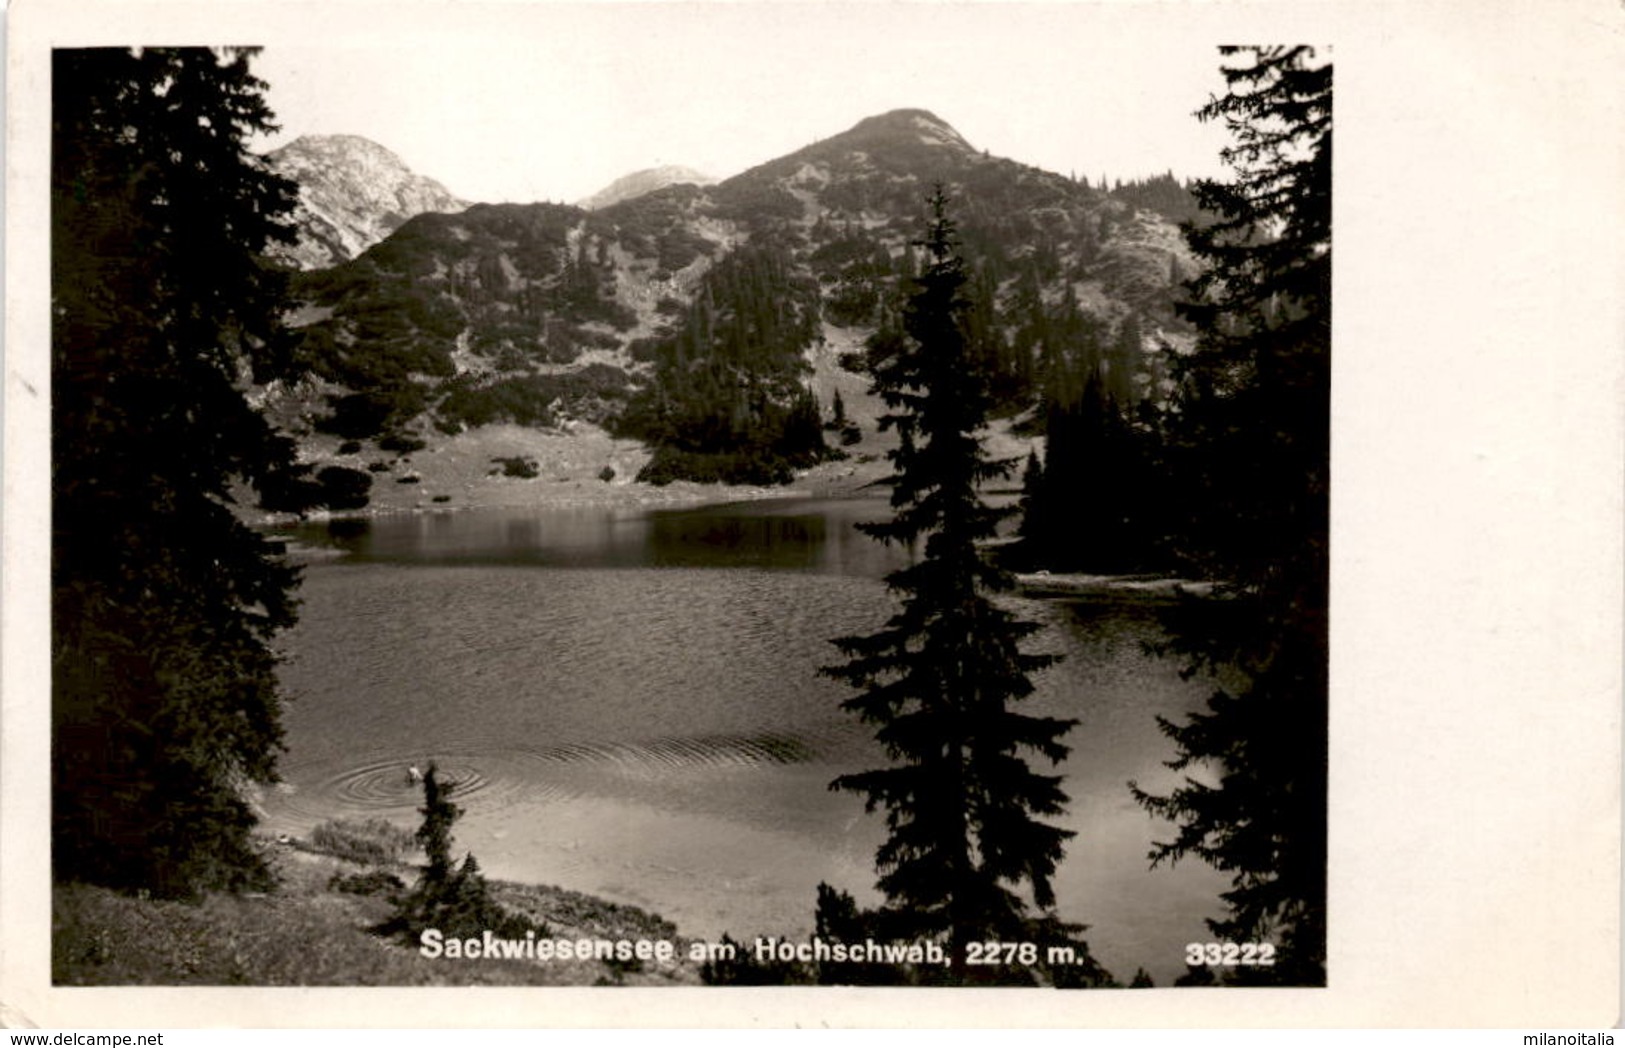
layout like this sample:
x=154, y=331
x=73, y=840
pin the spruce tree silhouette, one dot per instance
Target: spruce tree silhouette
x=964, y=808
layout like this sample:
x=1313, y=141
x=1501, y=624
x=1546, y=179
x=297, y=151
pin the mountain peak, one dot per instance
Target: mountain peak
x=352, y=193
x=322, y=145
x=640, y=182
x=917, y=124
x=906, y=117
x=875, y=159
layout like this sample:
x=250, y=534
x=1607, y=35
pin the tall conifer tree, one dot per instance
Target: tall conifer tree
x=163, y=602
x=963, y=806
x=1250, y=446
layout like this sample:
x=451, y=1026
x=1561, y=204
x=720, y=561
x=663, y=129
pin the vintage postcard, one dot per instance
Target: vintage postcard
x=614, y=504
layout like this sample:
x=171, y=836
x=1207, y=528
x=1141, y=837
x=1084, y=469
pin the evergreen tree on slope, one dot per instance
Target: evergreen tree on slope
x=963, y=806
x=1250, y=444
x=163, y=602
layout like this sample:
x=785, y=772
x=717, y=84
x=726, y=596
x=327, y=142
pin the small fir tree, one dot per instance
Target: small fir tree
x=434, y=833
x=839, y=919
x=453, y=898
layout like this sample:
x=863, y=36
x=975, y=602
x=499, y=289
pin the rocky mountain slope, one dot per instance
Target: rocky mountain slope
x=352, y=193
x=702, y=309
x=640, y=182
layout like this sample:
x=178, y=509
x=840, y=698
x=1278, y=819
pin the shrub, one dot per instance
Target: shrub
x=510, y=358
x=378, y=467
x=402, y=442
x=600, y=340
x=604, y=380
x=756, y=466
x=442, y=498
x=606, y=474
x=343, y=488
x=410, y=478
x=373, y=841
x=758, y=204
x=518, y=466
x=677, y=247
x=350, y=447
x=356, y=416
x=373, y=882
x=739, y=967
x=524, y=400
x=645, y=350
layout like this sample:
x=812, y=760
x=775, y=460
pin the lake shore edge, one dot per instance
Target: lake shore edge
x=582, y=468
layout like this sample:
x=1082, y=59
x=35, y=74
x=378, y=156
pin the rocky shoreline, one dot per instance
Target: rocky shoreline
x=1149, y=588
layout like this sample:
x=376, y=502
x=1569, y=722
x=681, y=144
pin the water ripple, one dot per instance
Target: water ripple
x=480, y=782
x=706, y=751
x=492, y=780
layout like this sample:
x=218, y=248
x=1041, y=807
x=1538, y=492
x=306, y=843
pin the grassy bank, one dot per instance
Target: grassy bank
x=313, y=932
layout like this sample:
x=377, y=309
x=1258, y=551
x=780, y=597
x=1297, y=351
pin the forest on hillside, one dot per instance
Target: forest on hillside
x=671, y=317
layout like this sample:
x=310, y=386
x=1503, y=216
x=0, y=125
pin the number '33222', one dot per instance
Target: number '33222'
x=1230, y=954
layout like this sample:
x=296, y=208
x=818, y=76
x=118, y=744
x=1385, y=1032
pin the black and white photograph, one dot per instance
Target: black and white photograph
x=712, y=496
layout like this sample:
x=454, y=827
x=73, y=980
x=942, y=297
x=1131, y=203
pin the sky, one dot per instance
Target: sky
x=552, y=101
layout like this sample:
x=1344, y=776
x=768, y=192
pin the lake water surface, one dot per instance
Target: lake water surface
x=631, y=704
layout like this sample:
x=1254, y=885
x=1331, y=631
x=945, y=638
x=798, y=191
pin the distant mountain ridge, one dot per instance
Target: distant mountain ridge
x=657, y=312
x=646, y=181
x=352, y=193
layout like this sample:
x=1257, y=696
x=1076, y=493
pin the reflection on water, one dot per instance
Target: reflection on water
x=633, y=705
x=783, y=534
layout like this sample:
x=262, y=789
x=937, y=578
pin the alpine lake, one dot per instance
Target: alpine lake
x=630, y=704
